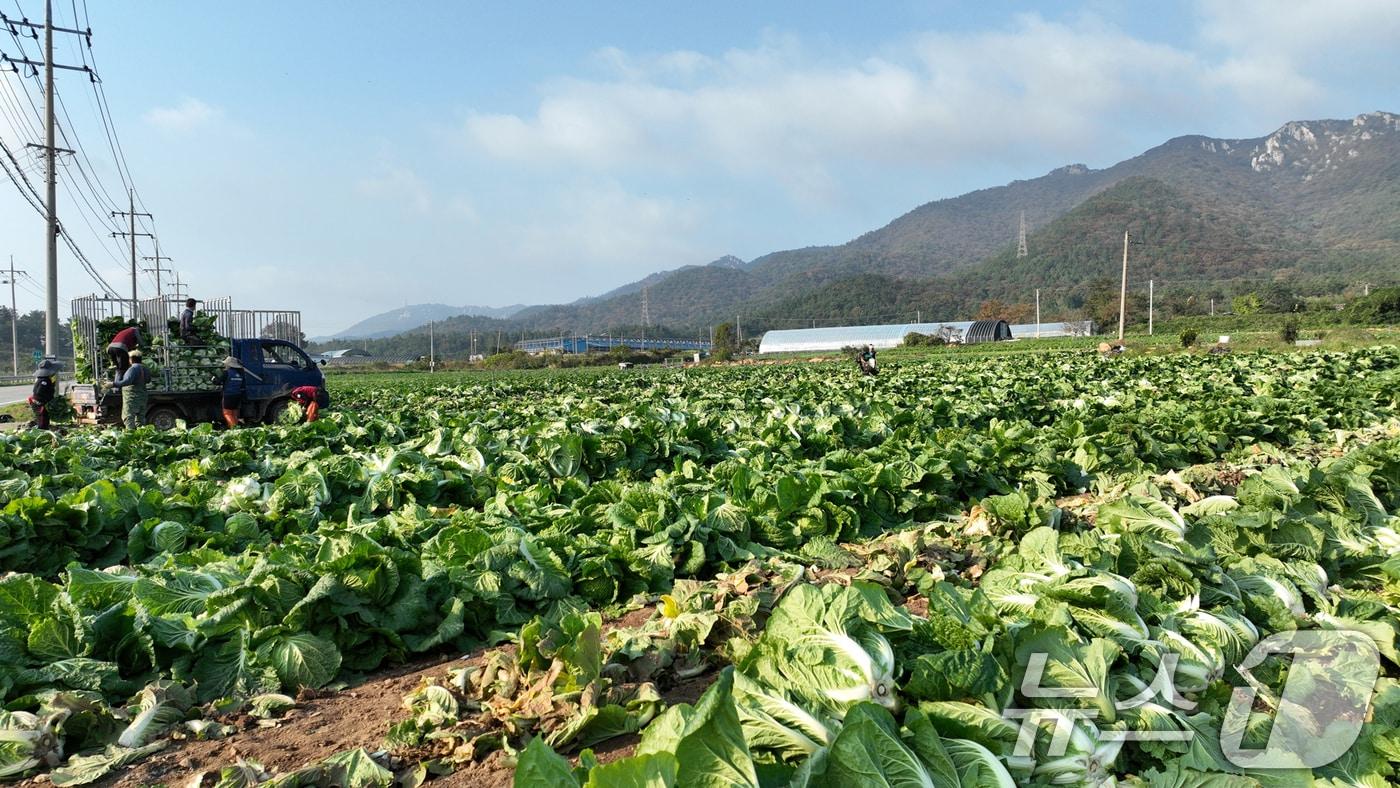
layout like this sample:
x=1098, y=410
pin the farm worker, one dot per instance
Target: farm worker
x=133, y=386
x=235, y=386
x=867, y=359
x=43, y=392
x=126, y=340
x=187, y=322
x=311, y=398
x=233, y=379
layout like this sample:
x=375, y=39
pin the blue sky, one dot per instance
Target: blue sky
x=346, y=158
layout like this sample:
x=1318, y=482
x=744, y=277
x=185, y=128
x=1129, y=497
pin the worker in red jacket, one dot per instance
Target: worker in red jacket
x=312, y=398
x=126, y=340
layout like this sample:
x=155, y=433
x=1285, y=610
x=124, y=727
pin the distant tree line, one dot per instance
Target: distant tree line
x=30, y=331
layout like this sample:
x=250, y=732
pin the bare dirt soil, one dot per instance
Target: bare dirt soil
x=324, y=724
x=317, y=728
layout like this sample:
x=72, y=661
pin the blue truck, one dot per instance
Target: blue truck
x=186, y=383
x=274, y=367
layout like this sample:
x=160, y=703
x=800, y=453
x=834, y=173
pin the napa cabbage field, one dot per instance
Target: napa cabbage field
x=970, y=571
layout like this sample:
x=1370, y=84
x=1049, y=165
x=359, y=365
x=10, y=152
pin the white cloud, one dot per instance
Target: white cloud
x=806, y=118
x=397, y=184
x=597, y=233
x=189, y=114
x=1335, y=31
x=1285, y=55
x=779, y=112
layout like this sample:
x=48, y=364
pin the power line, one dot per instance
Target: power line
x=156, y=258
x=71, y=126
x=51, y=328
x=11, y=156
x=39, y=208
x=88, y=173
x=132, y=234
x=15, y=109
x=87, y=266
x=114, y=142
x=64, y=133
x=20, y=182
x=31, y=289
x=37, y=204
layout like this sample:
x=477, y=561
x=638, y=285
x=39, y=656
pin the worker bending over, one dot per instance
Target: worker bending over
x=44, y=390
x=867, y=360
x=133, y=387
x=126, y=340
x=313, y=398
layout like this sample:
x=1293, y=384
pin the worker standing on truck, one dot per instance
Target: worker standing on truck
x=234, y=389
x=43, y=392
x=313, y=398
x=133, y=386
x=187, y=323
x=126, y=340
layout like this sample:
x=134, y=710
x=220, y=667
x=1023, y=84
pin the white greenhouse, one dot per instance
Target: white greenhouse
x=797, y=340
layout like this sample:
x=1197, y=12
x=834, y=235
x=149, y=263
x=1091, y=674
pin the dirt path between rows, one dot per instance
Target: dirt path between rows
x=358, y=716
x=315, y=729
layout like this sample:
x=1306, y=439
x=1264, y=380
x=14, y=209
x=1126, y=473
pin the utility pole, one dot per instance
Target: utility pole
x=14, y=317
x=432, y=359
x=739, y=330
x=179, y=288
x=1149, y=307
x=157, y=257
x=132, y=214
x=1123, y=293
x=1037, y=313
x=1212, y=306
x=51, y=151
x=51, y=187
x=918, y=315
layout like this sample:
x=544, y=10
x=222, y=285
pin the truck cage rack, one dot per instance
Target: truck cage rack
x=89, y=311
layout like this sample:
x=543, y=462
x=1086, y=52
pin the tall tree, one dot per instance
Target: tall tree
x=724, y=342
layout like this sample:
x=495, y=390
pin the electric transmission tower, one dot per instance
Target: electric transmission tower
x=646, y=307
x=1021, y=240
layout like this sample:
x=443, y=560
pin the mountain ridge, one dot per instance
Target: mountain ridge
x=412, y=316
x=1308, y=184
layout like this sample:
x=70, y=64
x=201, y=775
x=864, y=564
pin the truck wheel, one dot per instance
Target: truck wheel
x=274, y=412
x=163, y=417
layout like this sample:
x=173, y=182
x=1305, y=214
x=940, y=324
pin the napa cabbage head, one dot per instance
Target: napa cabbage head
x=28, y=741
x=242, y=494
x=823, y=646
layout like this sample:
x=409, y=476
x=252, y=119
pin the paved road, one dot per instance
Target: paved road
x=12, y=394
